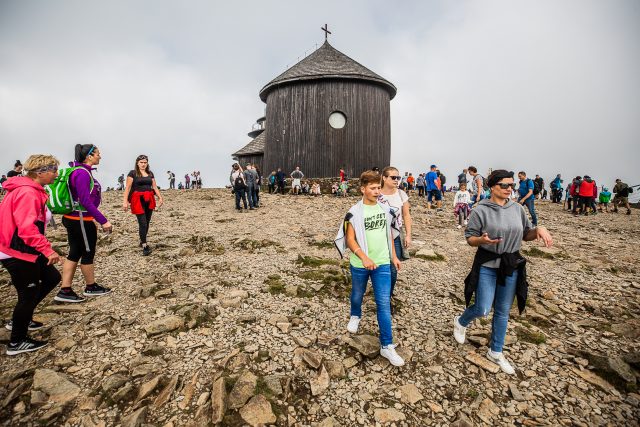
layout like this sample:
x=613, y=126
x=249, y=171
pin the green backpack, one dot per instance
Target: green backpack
x=60, y=200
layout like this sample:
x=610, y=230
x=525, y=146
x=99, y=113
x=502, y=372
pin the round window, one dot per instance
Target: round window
x=337, y=120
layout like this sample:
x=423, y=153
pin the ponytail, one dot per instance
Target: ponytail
x=16, y=164
x=82, y=151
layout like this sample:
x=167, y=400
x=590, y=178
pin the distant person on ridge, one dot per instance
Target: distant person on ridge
x=296, y=177
x=462, y=178
x=172, y=180
x=477, y=185
x=433, y=190
x=239, y=186
x=187, y=181
x=621, y=191
x=526, y=196
x=16, y=171
x=251, y=179
x=605, y=198
x=587, y=191
x=420, y=185
x=281, y=180
x=2, y=180
x=121, y=182
x=556, y=189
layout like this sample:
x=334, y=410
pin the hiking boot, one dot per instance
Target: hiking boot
x=500, y=360
x=95, y=290
x=33, y=325
x=628, y=212
x=68, y=295
x=146, y=250
x=353, y=324
x=459, y=331
x=24, y=346
x=389, y=353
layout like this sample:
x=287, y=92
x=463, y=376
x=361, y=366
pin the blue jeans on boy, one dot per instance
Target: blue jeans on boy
x=397, y=244
x=489, y=292
x=529, y=203
x=381, y=282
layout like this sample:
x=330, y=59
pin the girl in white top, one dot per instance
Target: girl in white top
x=398, y=200
x=461, y=202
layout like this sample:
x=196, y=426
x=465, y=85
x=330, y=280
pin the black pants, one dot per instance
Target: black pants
x=143, y=220
x=421, y=190
x=257, y=196
x=281, y=187
x=272, y=188
x=33, y=281
x=77, y=249
x=241, y=194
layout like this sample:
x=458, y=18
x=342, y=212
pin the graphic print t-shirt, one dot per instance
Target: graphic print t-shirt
x=395, y=201
x=375, y=229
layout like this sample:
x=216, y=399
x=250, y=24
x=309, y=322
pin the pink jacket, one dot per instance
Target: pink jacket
x=22, y=220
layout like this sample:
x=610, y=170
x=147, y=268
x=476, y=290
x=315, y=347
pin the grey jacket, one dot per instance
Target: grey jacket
x=355, y=217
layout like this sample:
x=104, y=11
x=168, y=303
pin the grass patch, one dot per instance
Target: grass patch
x=275, y=284
x=263, y=389
x=537, y=253
x=436, y=257
x=530, y=336
x=322, y=244
x=252, y=245
x=206, y=244
x=472, y=393
x=308, y=261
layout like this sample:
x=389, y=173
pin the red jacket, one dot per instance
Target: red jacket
x=23, y=216
x=587, y=188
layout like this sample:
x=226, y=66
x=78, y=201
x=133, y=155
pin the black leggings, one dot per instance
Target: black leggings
x=33, y=281
x=77, y=249
x=143, y=221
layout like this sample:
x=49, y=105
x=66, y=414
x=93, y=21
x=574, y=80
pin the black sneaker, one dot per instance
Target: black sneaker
x=33, y=325
x=146, y=250
x=95, y=290
x=68, y=295
x=25, y=346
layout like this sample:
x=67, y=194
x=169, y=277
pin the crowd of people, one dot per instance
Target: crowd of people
x=377, y=230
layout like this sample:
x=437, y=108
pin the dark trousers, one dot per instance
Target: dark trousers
x=77, y=248
x=397, y=244
x=421, y=191
x=172, y=184
x=251, y=195
x=257, y=196
x=33, y=281
x=281, y=187
x=272, y=188
x=144, y=219
x=241, y=195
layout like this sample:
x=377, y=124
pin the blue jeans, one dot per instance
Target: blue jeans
x=501, y=297
x=529, y=203
x=251, y=195
x=381, y=282
x=397, y=243
x=475, y=198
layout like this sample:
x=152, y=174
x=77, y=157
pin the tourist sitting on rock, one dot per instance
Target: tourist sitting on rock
x=398, y=201
x=25, y=251
x=315, y=189
x=335, y=188
x=367, y=231
x=305, y=187
x=497, y=227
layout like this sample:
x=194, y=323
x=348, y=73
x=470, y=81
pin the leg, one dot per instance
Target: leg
x=359, y=279
x=143, y=228
x=485, y=292
x=397, y=244
x=501, y=309
x=25, y=277
x=243, y=193
x=86, y=261
x=381, y=282
x=237, y=194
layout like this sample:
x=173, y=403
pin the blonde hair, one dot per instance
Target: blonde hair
x=37, y=161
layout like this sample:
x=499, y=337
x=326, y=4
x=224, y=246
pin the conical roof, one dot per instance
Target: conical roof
x=327, y=63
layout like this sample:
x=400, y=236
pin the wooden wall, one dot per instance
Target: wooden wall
x=254, y=159
x=298, y=131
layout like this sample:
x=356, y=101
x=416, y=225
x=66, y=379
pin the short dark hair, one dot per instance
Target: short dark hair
x=522, y=173
x=472, y=169
x=369, y=177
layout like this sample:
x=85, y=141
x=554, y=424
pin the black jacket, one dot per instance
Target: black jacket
x=509, y=262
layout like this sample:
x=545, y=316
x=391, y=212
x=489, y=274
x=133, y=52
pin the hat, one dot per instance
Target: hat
x=433, y=166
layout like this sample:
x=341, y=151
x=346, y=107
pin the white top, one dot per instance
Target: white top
x=461, y=197
x=395, y=201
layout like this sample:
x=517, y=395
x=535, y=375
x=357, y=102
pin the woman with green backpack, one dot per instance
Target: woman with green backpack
x=82, y=232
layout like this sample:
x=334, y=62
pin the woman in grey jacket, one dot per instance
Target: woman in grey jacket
x=497, y=227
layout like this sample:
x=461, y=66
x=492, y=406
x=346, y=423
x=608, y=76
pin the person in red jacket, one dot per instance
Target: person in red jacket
x=25, y=251
x=586, y=194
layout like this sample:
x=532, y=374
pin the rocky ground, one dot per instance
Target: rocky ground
x=239, y=319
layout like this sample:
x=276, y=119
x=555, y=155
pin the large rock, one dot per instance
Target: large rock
x=389, y=415
x=482, y=362
x=311, y=358
x=166, y=393
x=258, y=412
x=320, y=383
x=242, y=390
x=218, y=401
x=56, y=385
x=137, y=418
x=165, y=324
x=367, y=345
x=147, y=388
x=409, y=393
x=613, y=369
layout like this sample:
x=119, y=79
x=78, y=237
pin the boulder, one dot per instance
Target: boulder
x=320, y=383
x=410, y=394
x=56, y=385
x=136, y=418
x=242, y=390
x=165, y=324
x=367, y=345
x=218, y=401
x=388, y=415
x=258, y=412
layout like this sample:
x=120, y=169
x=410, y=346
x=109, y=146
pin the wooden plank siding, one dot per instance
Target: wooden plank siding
x=298, y=131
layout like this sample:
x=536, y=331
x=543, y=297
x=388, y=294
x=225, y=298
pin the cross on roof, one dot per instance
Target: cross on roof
x=326, y=31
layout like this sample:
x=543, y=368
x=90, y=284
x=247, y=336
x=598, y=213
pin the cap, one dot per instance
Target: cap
x=433, y=166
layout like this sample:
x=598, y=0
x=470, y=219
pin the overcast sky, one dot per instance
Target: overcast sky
x=545, y=86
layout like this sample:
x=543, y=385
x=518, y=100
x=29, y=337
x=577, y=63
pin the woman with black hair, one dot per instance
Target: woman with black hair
x=16, y=171
x=497, y=226
x=82, y=232
x=140, y=192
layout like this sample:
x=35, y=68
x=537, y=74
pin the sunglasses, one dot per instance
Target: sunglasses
x=141, y=158
x=394, y=177
x=49, y=168
x=504, y=186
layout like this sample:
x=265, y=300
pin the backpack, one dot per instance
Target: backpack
x=239, y=184
x=60, y=200
x=485, y=186
x=536, y=187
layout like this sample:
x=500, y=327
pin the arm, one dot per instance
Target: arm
x=353, y=245
x=25, y=218
x=157, y=192
x=408, y=223
x=127, y=190
x=539, y=233
x=81, y=182
x=526, y=197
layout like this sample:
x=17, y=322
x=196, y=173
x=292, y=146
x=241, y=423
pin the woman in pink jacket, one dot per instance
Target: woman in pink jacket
x=25, y=251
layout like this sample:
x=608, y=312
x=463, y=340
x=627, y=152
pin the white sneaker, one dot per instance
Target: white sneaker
x=466, y=222
x=353, y=324
x=459, y=331
x=389, y=353
x=500, y=360
x=459, y=226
